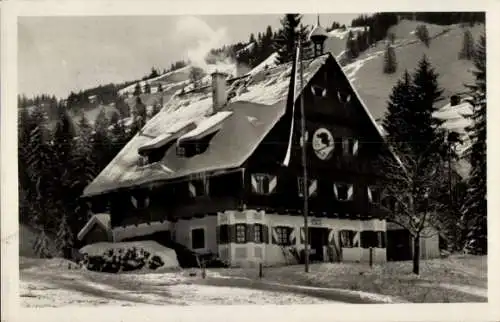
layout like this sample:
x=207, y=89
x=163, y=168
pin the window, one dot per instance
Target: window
x=343, y=191
x=181, y=151
x=199, y=188
x=263, y=183
x=198, y=238
x=142, y=161
x=347, y=238
x=350, y=146
x=374, y=195
x=375, y=239
x=241, y=233
x=312, y=187
x=283, y=235
x=257, y=233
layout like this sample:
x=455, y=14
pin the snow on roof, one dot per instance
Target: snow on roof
x=318, y=31
x=104, y=220
x=207, y=126
x=269, y=62
x=173, y=133
x=255, y=112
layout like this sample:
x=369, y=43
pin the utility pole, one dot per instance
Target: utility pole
x=304, y=164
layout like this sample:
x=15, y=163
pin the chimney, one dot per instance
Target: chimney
x=219, y=95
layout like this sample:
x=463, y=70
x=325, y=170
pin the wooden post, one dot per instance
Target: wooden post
x=371, y=256
x=261, y=273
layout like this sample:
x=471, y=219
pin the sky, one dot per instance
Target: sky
x=57, y=55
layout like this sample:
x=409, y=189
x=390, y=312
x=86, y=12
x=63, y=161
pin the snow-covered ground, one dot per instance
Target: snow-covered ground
x=49, y=283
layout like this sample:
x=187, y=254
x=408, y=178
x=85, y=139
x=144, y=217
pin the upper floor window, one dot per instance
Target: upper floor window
x=374, y=194
x=343, y=191
x=350, y=146
x=283, y=235
x=198, y=187
x=257, y=232
x=264, y=183
x=312, y=187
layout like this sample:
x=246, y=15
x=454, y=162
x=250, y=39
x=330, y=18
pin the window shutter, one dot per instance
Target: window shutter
x=369, y=191
x=350, y=192
x=274, y=236
x=355, y=147
x=250, y=236
x=293, y=238
x=265, y=234
x=254, y=183
x=217, y=235
x=355, y=240
x=302, y=235
x=313, y=187
x=192, y=190
x=335, y=191
x=232, y=233
x=272, y=184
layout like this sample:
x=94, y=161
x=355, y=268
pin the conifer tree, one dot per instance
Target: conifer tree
x=100, y=139
x=64, y=237
x=352, y=49
x=423, y=34
x=41, y=245
x=290, y=32
x=147, y=88
x=390, y=62
x=467, y=51
x=137, y=90
x=475, y=213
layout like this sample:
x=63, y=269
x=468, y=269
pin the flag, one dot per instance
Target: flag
x=296, y=91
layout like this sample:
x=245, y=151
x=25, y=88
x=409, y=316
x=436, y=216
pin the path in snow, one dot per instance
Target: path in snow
x=41, y=287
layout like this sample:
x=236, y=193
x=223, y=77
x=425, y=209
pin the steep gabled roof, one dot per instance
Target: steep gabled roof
x=258, y=102
x=104, y=220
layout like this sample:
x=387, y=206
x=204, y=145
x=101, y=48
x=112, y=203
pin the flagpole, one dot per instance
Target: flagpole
x=305, y=193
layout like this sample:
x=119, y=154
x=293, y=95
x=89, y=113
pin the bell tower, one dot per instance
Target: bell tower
x=318, y=36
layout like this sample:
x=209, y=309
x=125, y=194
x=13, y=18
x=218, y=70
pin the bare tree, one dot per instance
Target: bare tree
x=415, y=195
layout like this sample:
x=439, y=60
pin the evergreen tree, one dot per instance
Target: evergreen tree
x=467, y=51
x=64, y=238
x=160, y=88
x=423, y=34
x=41, y=245
x=291, y=32
x=390, y=62
x=147, y=88
x=352, y=49
x=100, y=138
x=137, y=90
x=195, y=76
x=476, y=207
x=419, y=142
x=425, y=127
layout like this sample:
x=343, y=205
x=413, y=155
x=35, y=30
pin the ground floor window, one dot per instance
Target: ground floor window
x=241, y=233
x=198, y=238
x=283, y=235
x=375, y=239
x=347, y=238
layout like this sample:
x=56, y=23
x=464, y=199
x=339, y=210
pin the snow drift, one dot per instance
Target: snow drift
x=149, y=250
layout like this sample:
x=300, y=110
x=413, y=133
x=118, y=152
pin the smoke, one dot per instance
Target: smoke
x=205, y=38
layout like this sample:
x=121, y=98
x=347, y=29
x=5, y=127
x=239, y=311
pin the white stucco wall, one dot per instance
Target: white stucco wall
x=183, y=227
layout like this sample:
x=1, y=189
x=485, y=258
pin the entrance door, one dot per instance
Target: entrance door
x=398, y=245
x=318, y=238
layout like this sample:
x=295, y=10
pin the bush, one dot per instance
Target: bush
x=122, y=261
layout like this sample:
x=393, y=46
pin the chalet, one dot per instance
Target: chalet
x=207, y=171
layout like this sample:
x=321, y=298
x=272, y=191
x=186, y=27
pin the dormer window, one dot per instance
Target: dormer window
x=198, y=140
x=343, y=191
x=263, y=184
x=142, y=161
